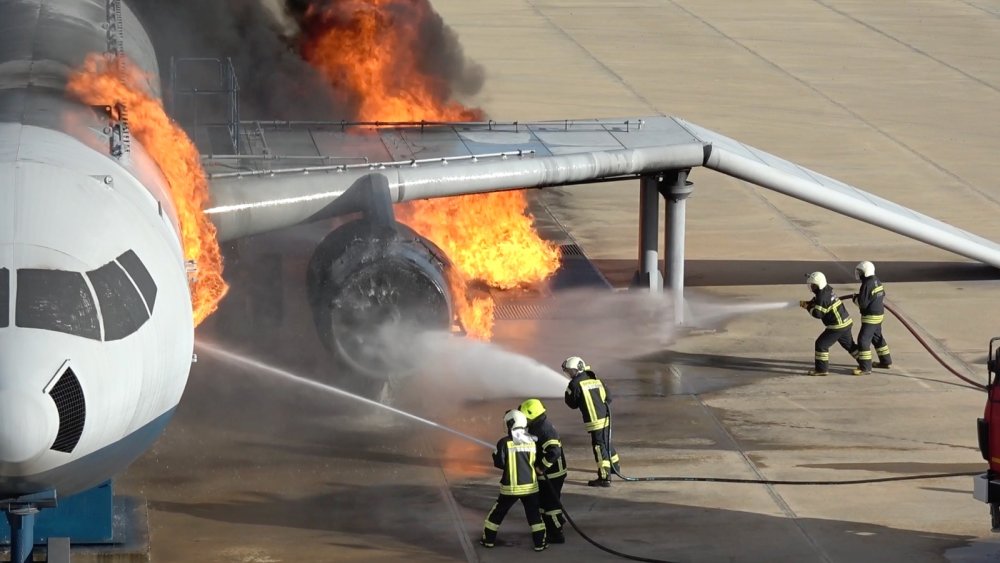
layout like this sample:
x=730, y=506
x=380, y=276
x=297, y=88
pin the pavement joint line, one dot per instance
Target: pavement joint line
x=838, y=261
x=456, y=517
x=909, y=46
x=879, y=436
x=592, y=57
x=871, y=125
x=775, y=496
x=981, y=9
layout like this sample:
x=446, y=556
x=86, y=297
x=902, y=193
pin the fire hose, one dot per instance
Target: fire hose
x=931, y=350
x=920, y=477
x=614, y=468
x=616, y=471
x=916, y=334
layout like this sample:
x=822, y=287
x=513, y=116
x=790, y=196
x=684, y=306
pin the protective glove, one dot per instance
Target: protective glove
x=804, y=304
x=854, y=298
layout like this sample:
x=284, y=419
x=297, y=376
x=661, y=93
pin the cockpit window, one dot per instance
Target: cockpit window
x=62, y=301
x=121, y=305
x=140, y=275
x=56, y=300
x=4, y=297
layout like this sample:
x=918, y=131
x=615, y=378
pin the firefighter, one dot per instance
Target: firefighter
x=869, y=300
x=517, y=460
x=587, y=393
x=550, y=463
x=828, y=307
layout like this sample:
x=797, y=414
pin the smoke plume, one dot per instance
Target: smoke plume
x=265, y=38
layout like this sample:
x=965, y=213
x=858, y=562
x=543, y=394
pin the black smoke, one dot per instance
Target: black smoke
x=275, y=82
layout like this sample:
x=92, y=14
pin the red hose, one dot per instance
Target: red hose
x=927, y=347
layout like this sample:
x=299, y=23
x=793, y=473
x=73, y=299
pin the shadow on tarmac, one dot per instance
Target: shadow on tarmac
x=653, y=529
x=780, y=272
x=737, y=364
x=676, y=532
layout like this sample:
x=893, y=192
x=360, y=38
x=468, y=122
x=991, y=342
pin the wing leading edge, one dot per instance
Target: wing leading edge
x=426, y=161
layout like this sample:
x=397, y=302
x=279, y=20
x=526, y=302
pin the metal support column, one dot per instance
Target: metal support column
x=21, y=513
x=676, y=189
x=648, y=275
x=22, y=533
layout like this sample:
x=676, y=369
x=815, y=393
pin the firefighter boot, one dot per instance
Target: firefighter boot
x=538, y=536
x=599, y=482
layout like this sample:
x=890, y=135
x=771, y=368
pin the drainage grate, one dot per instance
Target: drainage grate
x=512, y=311
x=572, y=250
x=68, y=397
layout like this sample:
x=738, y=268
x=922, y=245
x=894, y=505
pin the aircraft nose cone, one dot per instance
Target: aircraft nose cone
x=25, y=430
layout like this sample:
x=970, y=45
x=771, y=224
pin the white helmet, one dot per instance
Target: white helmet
x=515, y=419
x=864, y=269
x=573, y=365
x=817, y=279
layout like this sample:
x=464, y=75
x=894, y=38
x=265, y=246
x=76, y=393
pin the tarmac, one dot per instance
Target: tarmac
x=898, y=98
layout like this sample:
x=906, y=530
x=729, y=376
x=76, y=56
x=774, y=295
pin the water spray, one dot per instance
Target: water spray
x=261, y=366
x=704, y=312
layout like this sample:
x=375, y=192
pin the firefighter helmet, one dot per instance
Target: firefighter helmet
x=532, y=409
x=864, y=270
x=573, y=365
x=817, y=279
x=515, y=419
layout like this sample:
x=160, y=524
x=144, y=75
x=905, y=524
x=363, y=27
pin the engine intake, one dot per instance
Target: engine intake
x=369, y=275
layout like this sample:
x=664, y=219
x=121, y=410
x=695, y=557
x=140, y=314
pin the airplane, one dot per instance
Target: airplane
x=96, y=323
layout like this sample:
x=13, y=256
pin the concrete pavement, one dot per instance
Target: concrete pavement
x=898, y=98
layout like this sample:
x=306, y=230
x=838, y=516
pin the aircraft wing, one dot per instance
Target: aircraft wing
x=294, y=172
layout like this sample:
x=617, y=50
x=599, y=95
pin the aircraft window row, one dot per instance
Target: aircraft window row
x=4, y=297
x=62, y=301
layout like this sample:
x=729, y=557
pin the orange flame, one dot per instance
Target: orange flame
x=461, y=459
x=102, y=80
x=371, y=47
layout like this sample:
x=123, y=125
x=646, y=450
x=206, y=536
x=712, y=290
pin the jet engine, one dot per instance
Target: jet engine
x=370, y=281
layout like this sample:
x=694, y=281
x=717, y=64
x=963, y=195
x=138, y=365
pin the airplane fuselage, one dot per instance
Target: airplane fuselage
x=96, y=331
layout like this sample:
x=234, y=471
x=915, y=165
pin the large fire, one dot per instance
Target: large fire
x=371, y=47
x=103, y=81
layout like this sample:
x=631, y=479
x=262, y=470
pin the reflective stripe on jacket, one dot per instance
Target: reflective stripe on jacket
x=587, y=393
x=518, y=464
x=870, y=299
x=550, y=456
x=828, y=307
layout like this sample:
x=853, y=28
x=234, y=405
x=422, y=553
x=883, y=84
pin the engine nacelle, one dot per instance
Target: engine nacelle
x=366, y=276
